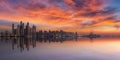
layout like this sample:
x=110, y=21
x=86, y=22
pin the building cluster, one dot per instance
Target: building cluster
x=22, y=30
x=55, y=34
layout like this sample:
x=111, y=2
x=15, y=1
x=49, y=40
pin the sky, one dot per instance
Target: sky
x=68, y=15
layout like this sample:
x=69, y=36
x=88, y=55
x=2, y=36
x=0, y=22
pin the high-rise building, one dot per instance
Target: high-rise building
x=34, y=31
x=18, y=29
x=13, y=29
x=27, y=30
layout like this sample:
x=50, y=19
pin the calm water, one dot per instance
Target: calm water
x=81, y=49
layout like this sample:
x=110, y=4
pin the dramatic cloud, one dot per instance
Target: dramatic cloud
x=60, y=14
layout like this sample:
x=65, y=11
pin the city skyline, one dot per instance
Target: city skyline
x=59, y=29
x=26, y=30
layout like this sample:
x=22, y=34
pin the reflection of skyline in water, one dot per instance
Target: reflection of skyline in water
x=24, y=43
x=80, y=49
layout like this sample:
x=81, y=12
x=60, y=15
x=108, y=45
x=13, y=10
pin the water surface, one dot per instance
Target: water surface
x=71, y=49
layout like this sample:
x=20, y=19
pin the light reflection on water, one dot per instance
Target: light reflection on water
x=62, y=49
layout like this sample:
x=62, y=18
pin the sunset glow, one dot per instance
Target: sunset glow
x=68, y=15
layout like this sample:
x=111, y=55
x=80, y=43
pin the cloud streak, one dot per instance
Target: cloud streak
x=70, y=13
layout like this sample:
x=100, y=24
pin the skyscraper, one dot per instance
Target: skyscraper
x=13, y=29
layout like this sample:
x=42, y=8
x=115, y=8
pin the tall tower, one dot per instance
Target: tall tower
x=20, y=30
x=23, y=29
x=34, y=31
x=27, y=29
x=20, y=22
x=13, y=29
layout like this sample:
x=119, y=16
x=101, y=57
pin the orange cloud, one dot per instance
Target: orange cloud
x=59, y=14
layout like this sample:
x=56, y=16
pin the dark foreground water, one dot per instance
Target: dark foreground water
x=70, y=49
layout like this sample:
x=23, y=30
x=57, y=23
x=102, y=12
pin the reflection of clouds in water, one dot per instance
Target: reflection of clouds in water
x=99, y=49
x=69, y=50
